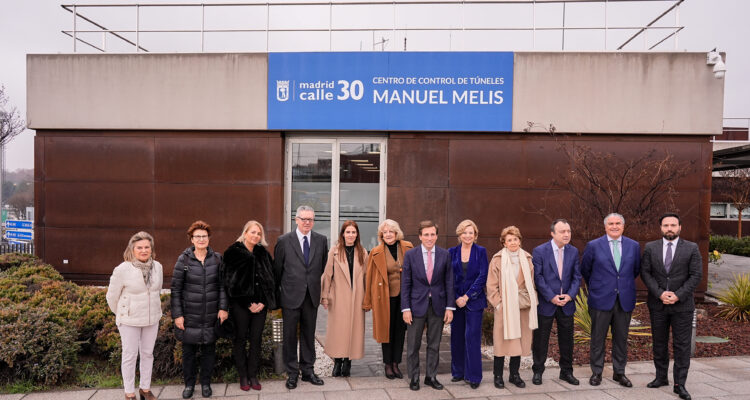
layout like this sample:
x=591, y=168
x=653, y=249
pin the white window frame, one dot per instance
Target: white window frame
x=335, y=141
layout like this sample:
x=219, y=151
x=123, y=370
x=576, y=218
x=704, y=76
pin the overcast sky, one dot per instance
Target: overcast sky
x=34, y=27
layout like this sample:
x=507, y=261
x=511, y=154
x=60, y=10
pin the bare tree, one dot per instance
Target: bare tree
x=735, y=185
x=11, y=123
x=598, y=183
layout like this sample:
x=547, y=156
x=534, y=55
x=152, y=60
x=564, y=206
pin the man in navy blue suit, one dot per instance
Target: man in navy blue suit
x=557, y=274
x=610, y=265
x=426, y=289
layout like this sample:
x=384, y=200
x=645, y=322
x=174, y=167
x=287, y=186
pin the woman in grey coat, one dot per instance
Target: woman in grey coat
x=198, y=299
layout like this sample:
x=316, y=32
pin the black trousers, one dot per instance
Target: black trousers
x=250, y=326
x=393, y=351
x=681, y=324
x=601, y=321
x=414, y=342
x=305, y=316
x=540, y=341
x=190, y=362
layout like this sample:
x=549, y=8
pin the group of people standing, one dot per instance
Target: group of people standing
x=408, y=288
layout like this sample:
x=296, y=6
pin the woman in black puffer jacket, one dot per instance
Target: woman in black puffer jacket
x=251, y=288
x=198, y=299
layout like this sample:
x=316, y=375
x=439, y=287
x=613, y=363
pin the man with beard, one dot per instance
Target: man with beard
x=671, y=269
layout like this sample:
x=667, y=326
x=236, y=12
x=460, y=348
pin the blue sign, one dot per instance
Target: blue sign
x=20, y=235
x=19, y=224
x=446, y=91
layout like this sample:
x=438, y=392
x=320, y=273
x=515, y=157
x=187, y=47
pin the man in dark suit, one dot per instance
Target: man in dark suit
x=671, y=269
x=426, y=297
x=610, y=265
x=300, y=257
x=557, y=274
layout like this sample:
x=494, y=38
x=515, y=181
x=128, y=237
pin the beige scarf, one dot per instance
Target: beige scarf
x=511, y=310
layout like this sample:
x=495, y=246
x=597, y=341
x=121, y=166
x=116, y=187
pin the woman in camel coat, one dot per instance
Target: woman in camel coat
x=383, y=294
x=513, y=323
x=342, y=292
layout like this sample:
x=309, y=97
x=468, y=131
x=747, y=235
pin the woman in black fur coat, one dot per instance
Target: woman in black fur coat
x=250, y=286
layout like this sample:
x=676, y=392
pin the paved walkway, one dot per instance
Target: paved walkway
x=709, y=378
x=721, y=275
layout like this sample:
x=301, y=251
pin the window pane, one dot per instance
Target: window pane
x=718, y=210
x=359, y=188
x=733, y=212
x=311, y=183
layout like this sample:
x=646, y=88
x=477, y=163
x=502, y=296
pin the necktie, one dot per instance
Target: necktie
x=616, y=254
x=429, y=266
x=306, y=250
x=668, y=258
x=560, y=265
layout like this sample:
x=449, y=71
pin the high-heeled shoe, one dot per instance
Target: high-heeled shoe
x=130, y=397
x=346, y=367
x=255, y=383
x=397, y=372
x=146, y=395
x=337, y=366
x=243, y=384
x=389, y=371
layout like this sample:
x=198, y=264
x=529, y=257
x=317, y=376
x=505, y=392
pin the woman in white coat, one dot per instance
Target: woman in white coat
x=133, y=296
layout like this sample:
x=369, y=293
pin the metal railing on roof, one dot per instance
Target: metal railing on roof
x=335, y=24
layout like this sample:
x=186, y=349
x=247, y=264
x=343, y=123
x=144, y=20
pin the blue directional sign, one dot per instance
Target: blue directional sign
x=19, y=224
x=414, y=91
x=20, y=235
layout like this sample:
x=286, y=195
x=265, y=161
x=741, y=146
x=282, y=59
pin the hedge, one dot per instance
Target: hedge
x=730, y=245
x=48, y=324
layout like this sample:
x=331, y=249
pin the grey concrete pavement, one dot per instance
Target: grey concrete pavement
x=721, y=275
x=709, y=378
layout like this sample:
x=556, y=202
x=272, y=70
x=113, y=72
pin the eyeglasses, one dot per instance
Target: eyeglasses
x=200, y=237
x=307, y=220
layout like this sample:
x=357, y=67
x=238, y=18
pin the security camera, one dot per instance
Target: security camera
x=714, y=58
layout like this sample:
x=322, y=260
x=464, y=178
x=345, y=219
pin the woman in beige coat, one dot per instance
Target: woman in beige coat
x=510, y=291
x=383, y=294
x=342, y=292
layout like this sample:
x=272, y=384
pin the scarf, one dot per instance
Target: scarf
x=511, y=310
x=146, y=269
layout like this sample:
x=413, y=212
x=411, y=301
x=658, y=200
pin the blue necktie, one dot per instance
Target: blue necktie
x=306, y=250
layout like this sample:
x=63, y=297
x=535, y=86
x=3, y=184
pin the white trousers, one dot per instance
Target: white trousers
x=135, y=340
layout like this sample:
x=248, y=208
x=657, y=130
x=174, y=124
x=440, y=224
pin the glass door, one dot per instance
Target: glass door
x=341, y=178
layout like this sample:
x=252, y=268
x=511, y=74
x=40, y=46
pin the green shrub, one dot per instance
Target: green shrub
x=11, y=260
x=35, y=346
x=730, y=245
x=582, y=320
x=737, y=300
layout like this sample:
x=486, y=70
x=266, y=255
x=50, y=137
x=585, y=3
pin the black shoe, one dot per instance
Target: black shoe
x=537, y=378
x=291, y=382
x=336, y=367
x=622, y=380
x=568, y=377
x=389, y=371
x=499, y=382
x=397, y=372
x=188, y=392
x=457, y=379
x=312, y=378
x=595, y=380
x=346, y=368
x=474, y=385
x=657, y=383
x=433, y=382
x=206, y=390
x=682, y=392
x=414, y=384
x=516, y=380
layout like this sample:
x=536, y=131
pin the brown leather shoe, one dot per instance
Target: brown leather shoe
x=146, y=395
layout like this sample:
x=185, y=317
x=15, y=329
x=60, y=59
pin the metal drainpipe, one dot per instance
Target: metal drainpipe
x=692, y=337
